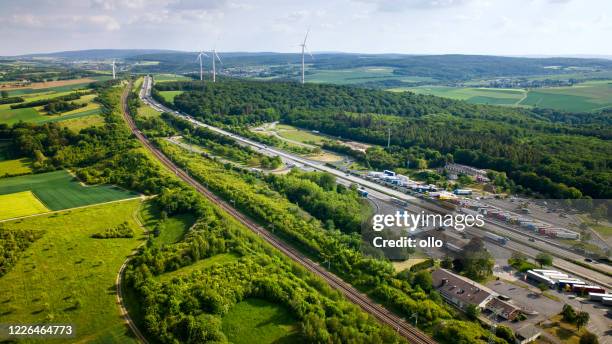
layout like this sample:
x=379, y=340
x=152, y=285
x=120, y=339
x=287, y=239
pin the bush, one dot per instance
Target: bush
x=121, y=231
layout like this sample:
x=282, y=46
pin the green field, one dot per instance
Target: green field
x=60, y=190
x=493, y=96
x=169, y=77
x=359, y=75
x=171, y=230
x=37, y=115
x=15, y=167
x=297, y=134
x=68, y=277
x=583, y=97
x=81, y=122
x=20, y=204
x=169, y=95
x=587, y=96
x=220, y=259
x=260, y=321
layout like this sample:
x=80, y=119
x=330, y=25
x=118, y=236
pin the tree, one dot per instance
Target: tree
x=423, y=279
x=544, y=259
x=582, y=318
x=4, y=94
x=569, y=314
x=472, y=311
x=504, y=332
x=588, y=338
x=599, y=213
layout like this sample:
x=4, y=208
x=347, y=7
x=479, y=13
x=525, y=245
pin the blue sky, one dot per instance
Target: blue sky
x=500, y=27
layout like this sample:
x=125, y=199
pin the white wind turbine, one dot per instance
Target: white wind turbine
x=200, y=58
x=304, y=49
x=214, y=57
x=113, y=69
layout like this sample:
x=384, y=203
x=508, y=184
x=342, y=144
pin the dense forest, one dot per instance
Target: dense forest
x=556, y=154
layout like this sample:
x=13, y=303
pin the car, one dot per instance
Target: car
x=588, y=260
x=504, y=297
x=532, y=239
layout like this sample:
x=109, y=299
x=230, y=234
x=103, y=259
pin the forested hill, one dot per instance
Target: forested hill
x=543, y=150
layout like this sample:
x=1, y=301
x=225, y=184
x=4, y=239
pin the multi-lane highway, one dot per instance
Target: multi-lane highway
x=412, y=334
x=520, y=240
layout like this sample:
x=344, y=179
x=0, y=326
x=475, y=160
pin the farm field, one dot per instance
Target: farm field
x=359, y=75
x=21, y=204
x=259, y=321
x=60, y=190
x=37, y=114
x=67, y=276
x=491, y=96
x=583, y=97
x=81, y=122
x=169, y=95
x=169, y=77
x=14, y=167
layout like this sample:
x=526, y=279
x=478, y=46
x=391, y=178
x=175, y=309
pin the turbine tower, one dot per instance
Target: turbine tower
x=215, y=56
x=113, y=69
x=200, y=58
x=304, y=49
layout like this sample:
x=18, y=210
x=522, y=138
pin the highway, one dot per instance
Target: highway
x=520, y=238
x=412, y=334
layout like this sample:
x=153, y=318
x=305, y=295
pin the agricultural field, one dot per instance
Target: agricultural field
x=493, y=96
x=169, y=77
x=14, y=167
x=20, y=204
x=359, y=75
x=82, y=122
x=60, y=190
x=38, y=115
x=67, y=276
x=259, y=321
x=583, y=97
x=169, y=95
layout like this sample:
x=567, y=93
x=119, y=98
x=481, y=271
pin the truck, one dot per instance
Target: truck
x=362, y=193
x=496, y=238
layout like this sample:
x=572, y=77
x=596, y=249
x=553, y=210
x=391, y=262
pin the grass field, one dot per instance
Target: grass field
x=169, y=77
x=81, y=122
x=148, y=112
x=471, y=95
x=169, y=95
x=38, y=115
x=20, y=204
x=359, y=75
x=220, y=259
x=260, y=321
x=59, y=190
x=15, y=167
x=297, y=134
x=68, y=277
x=583, y=97
x=171, y=230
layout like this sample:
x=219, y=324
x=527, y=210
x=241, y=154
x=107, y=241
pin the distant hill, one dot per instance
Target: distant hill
x=97, y=53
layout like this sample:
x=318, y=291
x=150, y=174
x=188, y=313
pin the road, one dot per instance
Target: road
x=520, y=238
x=409, y=332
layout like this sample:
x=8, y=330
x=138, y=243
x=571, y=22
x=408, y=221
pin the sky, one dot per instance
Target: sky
x=494, y=27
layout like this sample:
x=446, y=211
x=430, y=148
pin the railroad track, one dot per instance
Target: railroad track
x=412, y=334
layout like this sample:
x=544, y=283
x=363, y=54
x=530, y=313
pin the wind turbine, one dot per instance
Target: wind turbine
x=113, y=69
x=200, y=58
x=215, y=56
x=304, y=49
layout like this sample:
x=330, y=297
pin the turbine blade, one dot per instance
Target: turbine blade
x=306, y=37
x=218, y=58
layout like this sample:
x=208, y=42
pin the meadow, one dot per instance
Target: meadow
x=169, y=77
x=15, y=167
x=169, y=95
x=68, y=277
x=359, y=75
x=38, y=115
x=260, y=321
x=60, y=190
x=21, y=204
x=584, y=97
